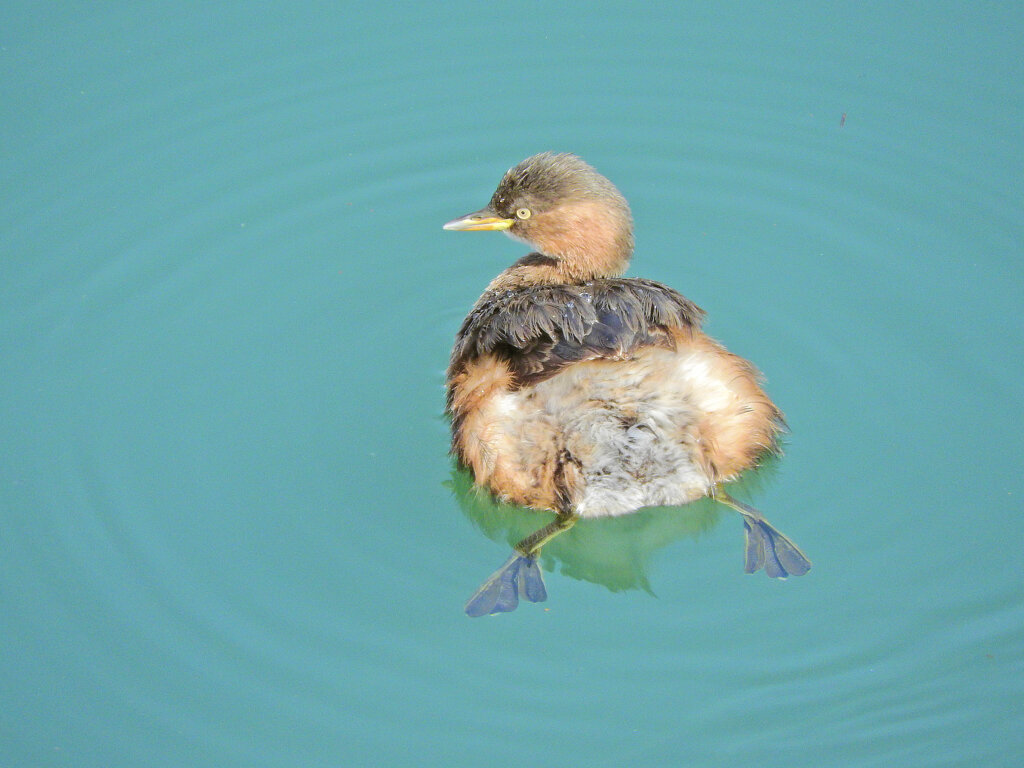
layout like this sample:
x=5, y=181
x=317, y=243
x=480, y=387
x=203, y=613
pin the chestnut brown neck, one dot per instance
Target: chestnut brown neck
x=577, y=241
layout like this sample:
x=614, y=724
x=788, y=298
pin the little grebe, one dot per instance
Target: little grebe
x=575, y=390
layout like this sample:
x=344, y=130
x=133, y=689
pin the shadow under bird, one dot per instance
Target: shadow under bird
x=575, y=390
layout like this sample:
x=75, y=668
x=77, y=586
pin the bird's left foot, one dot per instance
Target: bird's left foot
x=520, y=576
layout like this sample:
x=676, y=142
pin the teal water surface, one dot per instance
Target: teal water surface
x=230, y=533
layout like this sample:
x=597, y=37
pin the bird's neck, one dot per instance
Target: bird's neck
x=577, y=242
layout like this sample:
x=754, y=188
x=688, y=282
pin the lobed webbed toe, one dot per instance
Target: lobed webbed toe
x=769, y=549
x=520, y=576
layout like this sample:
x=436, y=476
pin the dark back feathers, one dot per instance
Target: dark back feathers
x=539, y=330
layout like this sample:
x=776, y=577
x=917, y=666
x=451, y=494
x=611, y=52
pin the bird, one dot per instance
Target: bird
x=578, y=391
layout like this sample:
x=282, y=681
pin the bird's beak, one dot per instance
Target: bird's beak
x=480, y=220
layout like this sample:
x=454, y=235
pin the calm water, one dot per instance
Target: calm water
x=230, y=533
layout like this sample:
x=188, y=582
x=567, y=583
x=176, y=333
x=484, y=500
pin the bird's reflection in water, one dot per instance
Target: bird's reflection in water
x=614, y=552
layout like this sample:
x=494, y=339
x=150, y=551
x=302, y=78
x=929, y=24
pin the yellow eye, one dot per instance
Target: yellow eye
x=523, y=213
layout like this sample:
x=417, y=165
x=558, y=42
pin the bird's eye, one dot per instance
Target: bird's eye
x=523, y=213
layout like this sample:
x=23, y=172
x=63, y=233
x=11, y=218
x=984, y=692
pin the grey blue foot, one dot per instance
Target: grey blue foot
x=520, y=576
x=766, y=547
x=769, y=549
